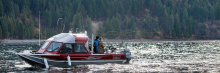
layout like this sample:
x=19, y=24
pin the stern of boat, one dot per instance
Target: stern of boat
x=127, y=55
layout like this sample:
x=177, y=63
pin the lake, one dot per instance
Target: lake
x=149, y=56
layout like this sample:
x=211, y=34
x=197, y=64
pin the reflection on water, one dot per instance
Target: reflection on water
x=150, y=56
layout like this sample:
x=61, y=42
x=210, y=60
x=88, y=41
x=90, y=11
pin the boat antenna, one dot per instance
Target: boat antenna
x=39, y=28
x=63, y=25
x=58, y=20
x=92, y=44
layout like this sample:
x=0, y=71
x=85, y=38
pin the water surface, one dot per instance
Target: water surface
x=149, y=56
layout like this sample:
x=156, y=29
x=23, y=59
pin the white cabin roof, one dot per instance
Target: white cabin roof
x=66, y=37
x=63, y=37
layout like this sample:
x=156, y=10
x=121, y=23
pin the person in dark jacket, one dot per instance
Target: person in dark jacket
x=95, y=45
x=101, y=46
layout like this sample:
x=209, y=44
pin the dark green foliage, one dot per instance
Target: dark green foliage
x=1, y=9
x=0, y=32
x=177, y=26
x=202, y=31
x=20, y=30
x=88, y=26
x=121, y=18
x=4, y=27
x=217, y=11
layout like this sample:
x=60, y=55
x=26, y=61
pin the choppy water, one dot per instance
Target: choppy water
x=150, y=56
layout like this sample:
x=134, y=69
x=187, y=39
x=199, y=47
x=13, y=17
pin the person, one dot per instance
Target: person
x=101, y=46
x=95, y=45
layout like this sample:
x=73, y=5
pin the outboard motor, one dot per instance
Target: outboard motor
x=127, y=55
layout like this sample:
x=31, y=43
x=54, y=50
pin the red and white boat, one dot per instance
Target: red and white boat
x=69, y=49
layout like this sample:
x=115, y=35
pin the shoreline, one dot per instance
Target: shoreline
x=20, y=41
x=146, y=40
x=106, y=40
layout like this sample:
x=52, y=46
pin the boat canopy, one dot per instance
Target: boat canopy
x=67, y=37
x=63, y=37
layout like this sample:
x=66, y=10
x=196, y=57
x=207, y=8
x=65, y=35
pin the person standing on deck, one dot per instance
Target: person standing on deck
x=95, y=45
x=101, y=46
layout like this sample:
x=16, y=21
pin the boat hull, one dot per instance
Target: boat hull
x=39, y=61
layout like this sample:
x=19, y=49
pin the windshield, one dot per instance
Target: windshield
x=54, y=46
x=45, y=45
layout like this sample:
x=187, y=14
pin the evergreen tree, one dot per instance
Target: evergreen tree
x=133, y=27
x=77, y=21
x=0, y=32
x=166, y=24
x=48, y=19
x=81, y=9
x=4, y=27
x=171, y=22
x=156, y=27
x=1, y=8
x=21, y=30
x=160, y=10
x=211, y=13
x=151, y=5
x=11, y=9
x=217, y=11
x=171, y=18
x=31, y=29
x=202, y=31
x=148, y=26
x=17, y=10
x=116, y=22
x=11, y=27
x=177, y=26
x=185, y=19
x=89, y=25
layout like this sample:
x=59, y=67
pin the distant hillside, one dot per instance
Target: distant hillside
x=118, y=19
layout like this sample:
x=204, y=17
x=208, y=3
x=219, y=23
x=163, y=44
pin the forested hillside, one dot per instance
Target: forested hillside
x=121, y=19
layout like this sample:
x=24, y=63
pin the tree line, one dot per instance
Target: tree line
x=121, y=18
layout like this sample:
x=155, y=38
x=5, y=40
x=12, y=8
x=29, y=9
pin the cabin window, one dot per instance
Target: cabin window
x=45, y=45
x=73, y=48
x=87, y=43
x=54, y=47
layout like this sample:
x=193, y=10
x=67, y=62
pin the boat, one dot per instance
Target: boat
x=70, y=49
